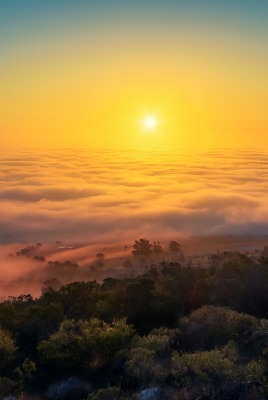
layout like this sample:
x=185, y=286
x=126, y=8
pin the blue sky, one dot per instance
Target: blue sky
x=23, y=20
x=17, y=13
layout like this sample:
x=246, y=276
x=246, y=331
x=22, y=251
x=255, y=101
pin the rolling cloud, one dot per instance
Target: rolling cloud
x=105, y=196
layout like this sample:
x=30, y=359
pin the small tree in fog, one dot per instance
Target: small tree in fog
x=175, y=249
x=142, y=248
x=157, y=249
x=100, y=260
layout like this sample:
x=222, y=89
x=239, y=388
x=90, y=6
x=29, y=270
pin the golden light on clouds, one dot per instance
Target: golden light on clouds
x=100, y=196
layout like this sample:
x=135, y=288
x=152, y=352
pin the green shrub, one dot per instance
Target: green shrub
x=216, y=367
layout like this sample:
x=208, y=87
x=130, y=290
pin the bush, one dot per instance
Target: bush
x=208, y=371
x=7, y=386
x=111, y=393
x=7, y=351
x=212, y=326
x=82, y=345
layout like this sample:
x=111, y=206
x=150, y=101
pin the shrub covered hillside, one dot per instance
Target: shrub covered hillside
x=171, y=333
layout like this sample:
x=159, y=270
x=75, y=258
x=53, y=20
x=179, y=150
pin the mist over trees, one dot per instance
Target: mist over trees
x=145, y=251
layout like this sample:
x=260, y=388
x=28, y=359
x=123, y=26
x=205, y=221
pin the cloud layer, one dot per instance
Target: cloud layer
x=100, y=201
x=102, y=196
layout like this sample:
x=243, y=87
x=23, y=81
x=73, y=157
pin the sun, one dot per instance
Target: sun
x=150, y=122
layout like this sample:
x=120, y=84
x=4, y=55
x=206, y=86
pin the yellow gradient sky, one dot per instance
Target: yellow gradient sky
x=85, y=76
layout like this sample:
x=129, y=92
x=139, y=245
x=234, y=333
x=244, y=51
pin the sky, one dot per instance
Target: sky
x=85, y=74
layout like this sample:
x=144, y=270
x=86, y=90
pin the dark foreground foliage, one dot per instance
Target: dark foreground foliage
x=183, y=333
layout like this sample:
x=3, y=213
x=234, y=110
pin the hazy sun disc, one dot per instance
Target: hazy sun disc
x=150, y=122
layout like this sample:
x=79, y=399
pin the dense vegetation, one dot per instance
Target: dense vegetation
x=196, y=333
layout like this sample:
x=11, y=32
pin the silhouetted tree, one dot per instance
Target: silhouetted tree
x=53, y=283
x=66, y=263
x=142, y=248
x=157, y=249
x=175, y=249
x=39, y=258
x=100, y=260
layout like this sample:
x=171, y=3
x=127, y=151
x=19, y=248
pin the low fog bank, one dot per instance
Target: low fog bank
x=26, y=268
x=103, y=196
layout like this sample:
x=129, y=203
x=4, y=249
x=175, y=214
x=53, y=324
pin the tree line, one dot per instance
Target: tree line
x=193, y=333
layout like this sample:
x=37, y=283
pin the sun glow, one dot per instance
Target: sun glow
x=150, y=122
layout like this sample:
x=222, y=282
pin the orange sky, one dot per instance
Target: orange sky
x=88, y=82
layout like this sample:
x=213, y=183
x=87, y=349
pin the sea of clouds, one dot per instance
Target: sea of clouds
x=105, y=195
x=102, y=200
